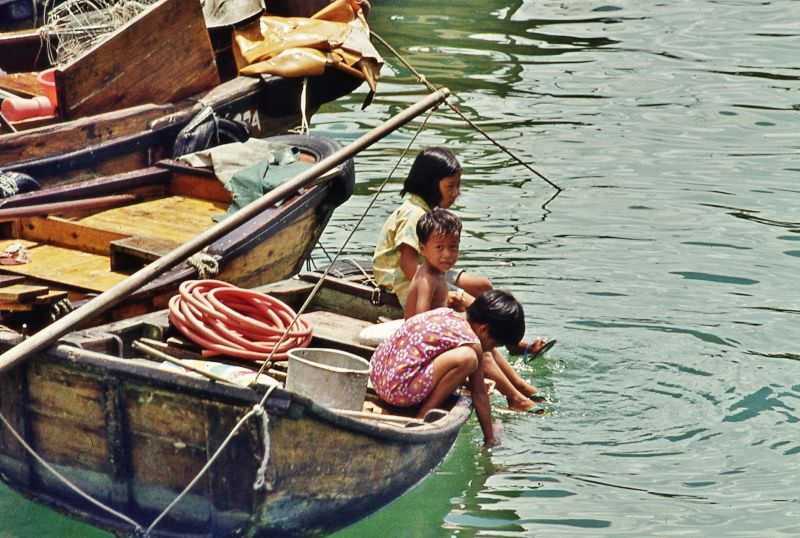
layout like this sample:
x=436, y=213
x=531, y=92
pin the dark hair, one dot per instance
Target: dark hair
x=439, y=221
x=502, y=312
x=429, y=168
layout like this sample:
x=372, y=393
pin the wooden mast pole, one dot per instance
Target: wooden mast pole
x=120, y=291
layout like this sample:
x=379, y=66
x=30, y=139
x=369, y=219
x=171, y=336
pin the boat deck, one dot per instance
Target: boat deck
x=175, y=218
x=91, y=253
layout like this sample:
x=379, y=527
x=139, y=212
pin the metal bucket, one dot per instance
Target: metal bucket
x=330, y=377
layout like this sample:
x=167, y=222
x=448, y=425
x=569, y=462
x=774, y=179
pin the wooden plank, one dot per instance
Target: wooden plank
x=22, y=293
x=160, y=56
x=68, y=207
x=67, y=393
x=10, y=306
x=167, y=463
x=200, y=187
x=60, y=137
x=168, y=416
x=176, y=218
x=69, y=268
x=52, y=296
x=8, y=280
x=133, y=253
x=64, y=441
x=118, y=446
x=237, y=458
x=13, y=405
x=270, y=260
x=69, y=234
x=338, y=331
x=23, y=84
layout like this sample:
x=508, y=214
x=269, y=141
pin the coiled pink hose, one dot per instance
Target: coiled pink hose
x=226, y=320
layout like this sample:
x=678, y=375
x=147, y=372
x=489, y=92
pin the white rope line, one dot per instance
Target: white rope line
x=207, y=265
x=65, y=480
x=261, y=474
x=425, y=82
x=258, y=408
x=304, y=128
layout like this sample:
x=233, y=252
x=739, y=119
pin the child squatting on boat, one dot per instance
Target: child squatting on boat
x=434, y=352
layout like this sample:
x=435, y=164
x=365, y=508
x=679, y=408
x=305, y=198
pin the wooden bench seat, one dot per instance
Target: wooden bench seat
x=133, y=253
x=338, y=331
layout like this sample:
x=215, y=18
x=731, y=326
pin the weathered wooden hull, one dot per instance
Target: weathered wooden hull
x=115, y=116
x=133, y=436
x=137, y=137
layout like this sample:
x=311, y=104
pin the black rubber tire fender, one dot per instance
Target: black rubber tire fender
x=320, y=148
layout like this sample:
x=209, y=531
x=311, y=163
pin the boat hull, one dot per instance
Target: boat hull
x=133, y=436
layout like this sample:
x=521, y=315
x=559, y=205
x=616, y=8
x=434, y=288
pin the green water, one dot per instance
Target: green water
x=667, y=268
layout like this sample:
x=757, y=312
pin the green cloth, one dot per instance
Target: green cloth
x=250, y=183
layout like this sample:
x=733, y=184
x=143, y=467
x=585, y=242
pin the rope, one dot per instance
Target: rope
x=304, y=128
x=261, y=474
x=258, y=408
x=65, y=480
x=455, y=109
x=226, y=320
x=8, y=185
x=206, y=265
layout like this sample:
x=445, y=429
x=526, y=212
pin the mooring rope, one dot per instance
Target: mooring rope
x=206, y=265
x=304, y=128
x=423, y=79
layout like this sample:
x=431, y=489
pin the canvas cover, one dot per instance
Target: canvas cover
x=337, y=36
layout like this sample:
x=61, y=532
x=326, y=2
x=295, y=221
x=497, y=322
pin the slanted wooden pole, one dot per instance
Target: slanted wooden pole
x=120, y=291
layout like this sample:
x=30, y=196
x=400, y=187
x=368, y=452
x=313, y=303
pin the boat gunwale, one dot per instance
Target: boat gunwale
x=279, y=401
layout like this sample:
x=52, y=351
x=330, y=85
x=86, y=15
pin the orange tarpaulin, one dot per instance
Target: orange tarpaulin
x=337, y=36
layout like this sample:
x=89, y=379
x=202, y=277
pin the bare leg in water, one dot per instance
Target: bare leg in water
x=508, y=382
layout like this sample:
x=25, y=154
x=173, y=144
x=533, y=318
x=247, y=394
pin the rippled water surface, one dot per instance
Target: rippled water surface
x=667, y=268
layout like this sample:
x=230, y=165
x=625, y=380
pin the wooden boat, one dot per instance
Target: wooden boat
x=132, y=434
x=115, y=116
x=78, y=250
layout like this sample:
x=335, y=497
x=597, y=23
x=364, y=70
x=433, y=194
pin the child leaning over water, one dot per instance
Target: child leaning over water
x=439, y=235
x=433, y=353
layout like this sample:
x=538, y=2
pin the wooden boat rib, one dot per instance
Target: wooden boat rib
x=133, y=434
x=88, y=252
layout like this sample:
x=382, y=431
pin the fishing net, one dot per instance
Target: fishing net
x=79, y=25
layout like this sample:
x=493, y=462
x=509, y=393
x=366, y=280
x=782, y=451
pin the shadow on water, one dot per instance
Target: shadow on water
x=700, y=335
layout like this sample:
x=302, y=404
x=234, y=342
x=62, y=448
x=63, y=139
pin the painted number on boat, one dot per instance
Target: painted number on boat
x=250, y=117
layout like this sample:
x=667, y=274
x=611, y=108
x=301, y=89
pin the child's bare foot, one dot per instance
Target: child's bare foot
x=526, y=388
x=521, y=405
